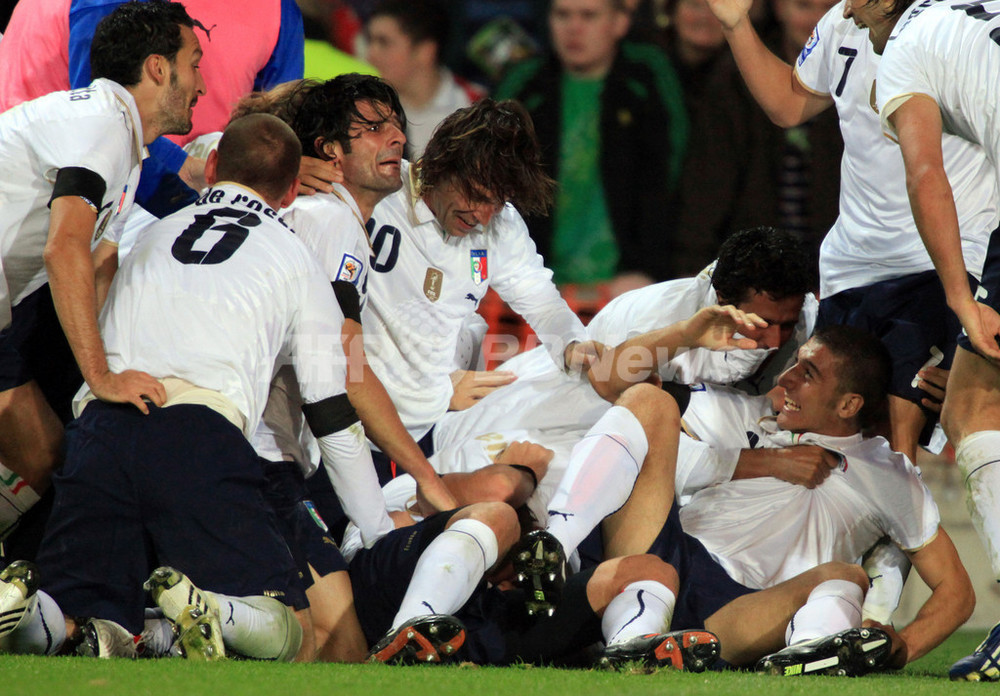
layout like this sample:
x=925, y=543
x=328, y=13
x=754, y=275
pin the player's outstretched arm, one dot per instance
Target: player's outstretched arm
x=638, y=359
x=769, y=78
x=72, y=281
x=917, y=123
x=949, y=606
x=382, y=424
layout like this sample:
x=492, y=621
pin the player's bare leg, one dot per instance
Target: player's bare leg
x=755, y=624
x=339, y=637
x=906, y=422
x=633, y=528
x=971, y=419
x=31, y=435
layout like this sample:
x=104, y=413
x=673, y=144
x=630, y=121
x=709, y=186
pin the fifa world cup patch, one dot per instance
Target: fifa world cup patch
x=432, y=284
x=350, y=269
x=480, y=269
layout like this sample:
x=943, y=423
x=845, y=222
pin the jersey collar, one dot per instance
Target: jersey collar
x=127, y=102
x=419, y=212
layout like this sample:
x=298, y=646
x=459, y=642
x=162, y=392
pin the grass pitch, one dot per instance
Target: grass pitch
x=24, y=676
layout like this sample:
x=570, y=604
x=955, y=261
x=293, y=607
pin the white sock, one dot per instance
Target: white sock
x=41, y=630
x=887, y=567
x=640, y=609
x=449, y=570
x=977, y=457
x=259, y=627
x=599, y=478
x=16, y=498
x=833, y=606
x=157, y=637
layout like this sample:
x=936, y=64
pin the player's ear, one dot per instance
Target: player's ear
x=329, y=150
x=850, y=405
x=156, y=67
x=211, y=168
x=290, y=194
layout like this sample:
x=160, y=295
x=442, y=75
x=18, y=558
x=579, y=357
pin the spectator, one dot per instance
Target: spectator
x=744, y=170
x=610, y=117
x=405, y=43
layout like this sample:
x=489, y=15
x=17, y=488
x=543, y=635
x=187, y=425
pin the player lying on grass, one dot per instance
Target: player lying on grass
x=764, y=530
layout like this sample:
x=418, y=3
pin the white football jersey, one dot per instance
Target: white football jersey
x=254, y=298
x=230, y=269
x=950, y=52
x=662, y=304
x=875, y=237
x=423, y=285
x=546, y=398
x=764, y=530
x=96, y=128
x=330, y=225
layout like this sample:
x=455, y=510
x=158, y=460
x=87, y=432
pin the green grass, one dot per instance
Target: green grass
x=23, y=676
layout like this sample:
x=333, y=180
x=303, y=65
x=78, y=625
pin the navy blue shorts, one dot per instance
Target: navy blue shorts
x=990, y=284
x=179, y=487
x=34, y=347
x=498, y=629
x=909, y=315
x=381, y=574
x=705, y=585
x=500, y=632
x=300, y=524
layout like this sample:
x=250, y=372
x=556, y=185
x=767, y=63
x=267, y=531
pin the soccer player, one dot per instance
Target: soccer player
x=761, y=270
x=766, y=531
x=70, y=162
x=874, y=272
x=207, y=302
x=935, y=78
x=356, y=122
x=438, y=244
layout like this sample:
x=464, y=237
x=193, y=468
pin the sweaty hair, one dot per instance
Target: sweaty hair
x=261, y=152
x=897, y=9
x=765, y=260
x=133, y=32
x=489, y=152
x=865, y=368
x=420, y=20
x=325, y=111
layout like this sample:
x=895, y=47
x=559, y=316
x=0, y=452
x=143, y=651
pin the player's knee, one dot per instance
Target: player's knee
x=839, y=570
x=646, y=567
x=500, y=517
x=653, y=408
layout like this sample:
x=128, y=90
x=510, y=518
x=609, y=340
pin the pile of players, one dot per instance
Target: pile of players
x=635, y=485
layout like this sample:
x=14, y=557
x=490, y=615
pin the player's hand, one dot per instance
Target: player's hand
x=433, y=496
x=933, y=381
x=529, y=454
x=318, y=175
x=401, y=518
x=731, y=12
x=192, y=173
x=580, y=356
x=469, y=386
x=982, y=324
x=715, y=328
x=900, y=653
x=804, y=465
x=129, y=387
